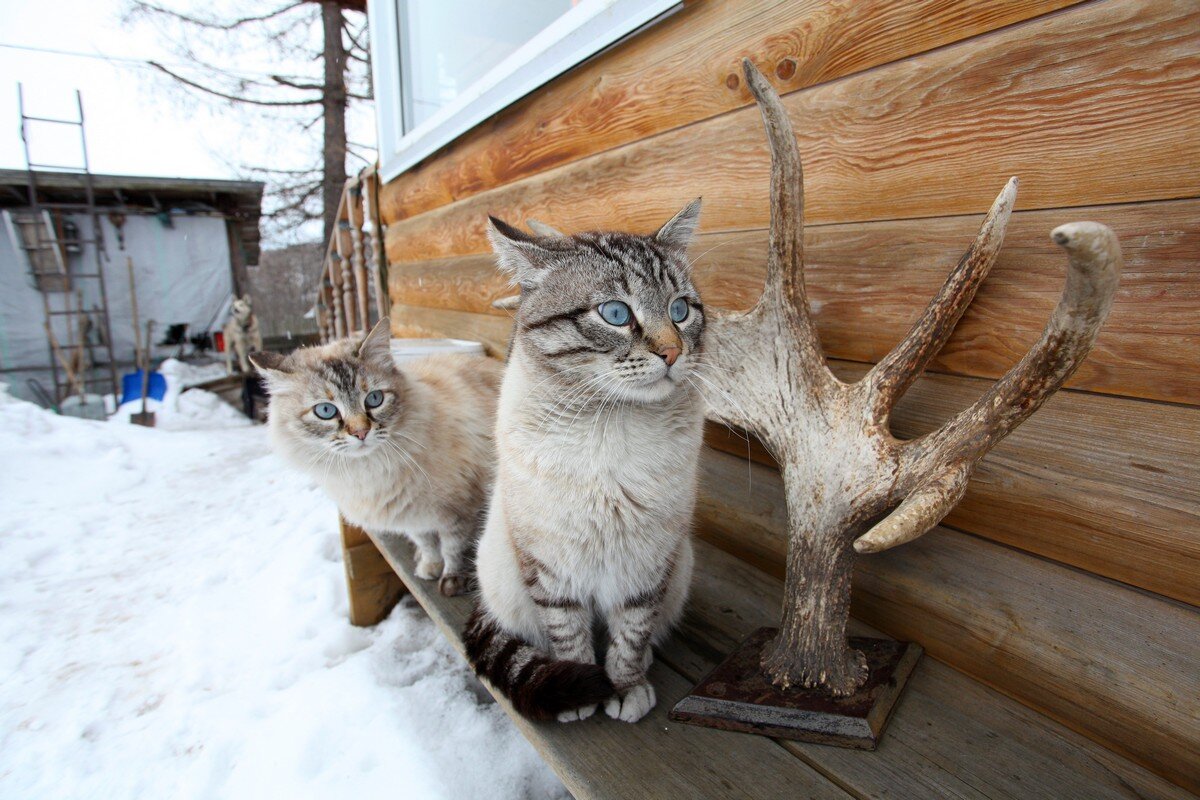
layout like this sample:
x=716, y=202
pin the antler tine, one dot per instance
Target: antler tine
x=891, y=377
x=950, y=454
x=784, y=286
x=1093, y=272
x=925, y=507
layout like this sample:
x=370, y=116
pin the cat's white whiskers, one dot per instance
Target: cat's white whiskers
x=734, y=240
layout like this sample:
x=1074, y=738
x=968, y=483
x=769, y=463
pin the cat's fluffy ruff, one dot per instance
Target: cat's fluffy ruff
x=426, y=463
x=598, y=445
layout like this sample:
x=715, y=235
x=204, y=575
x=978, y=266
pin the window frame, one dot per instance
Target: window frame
x=580, y=33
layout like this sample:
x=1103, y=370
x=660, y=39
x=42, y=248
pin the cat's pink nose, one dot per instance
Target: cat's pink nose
x=359, y=433
x=669, y=354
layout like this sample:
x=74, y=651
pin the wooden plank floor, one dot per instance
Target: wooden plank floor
x=601, y=758
x=950, y=736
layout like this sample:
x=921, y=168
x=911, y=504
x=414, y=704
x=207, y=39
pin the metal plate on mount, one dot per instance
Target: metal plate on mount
x=738, y=696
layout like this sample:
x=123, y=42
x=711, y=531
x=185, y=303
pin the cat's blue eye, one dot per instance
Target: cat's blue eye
x=325, y=410
x=614, y=312
x=679, y=309
x=373, y=399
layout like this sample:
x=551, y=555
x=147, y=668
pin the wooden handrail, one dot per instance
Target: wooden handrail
x=343, y=304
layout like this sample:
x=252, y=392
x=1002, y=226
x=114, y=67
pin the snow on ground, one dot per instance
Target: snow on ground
x=180, y=410
x=173, y=624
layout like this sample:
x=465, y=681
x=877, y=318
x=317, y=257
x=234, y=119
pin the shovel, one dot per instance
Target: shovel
x=145, y=417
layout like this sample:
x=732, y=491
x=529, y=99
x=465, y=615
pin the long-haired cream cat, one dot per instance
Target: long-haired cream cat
x=598, y=435
x=403, y=450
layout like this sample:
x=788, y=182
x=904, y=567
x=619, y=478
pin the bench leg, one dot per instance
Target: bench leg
x=372, y=584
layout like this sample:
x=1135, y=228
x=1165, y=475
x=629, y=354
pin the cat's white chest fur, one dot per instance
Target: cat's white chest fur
x=604, y=495
x=401, y=505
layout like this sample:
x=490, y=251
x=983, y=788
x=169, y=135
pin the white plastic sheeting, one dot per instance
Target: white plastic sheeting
x=182, y=274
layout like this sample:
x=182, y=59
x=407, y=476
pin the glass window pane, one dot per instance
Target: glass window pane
x=447, y=45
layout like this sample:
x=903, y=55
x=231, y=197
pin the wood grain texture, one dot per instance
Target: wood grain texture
x=492, y=331
x=1089, y=105
x=1111, y=662
x=602, y=759
x=1109, y=485
x=371, y=584
x=868, y=282
x=615, y=99
x=950, y=736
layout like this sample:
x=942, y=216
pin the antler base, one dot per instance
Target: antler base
x=738, y=696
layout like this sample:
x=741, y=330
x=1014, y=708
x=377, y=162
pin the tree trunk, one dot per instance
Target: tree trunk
x=810, y=650
x=333, y=104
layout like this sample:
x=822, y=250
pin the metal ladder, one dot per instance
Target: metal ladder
x=40, y=231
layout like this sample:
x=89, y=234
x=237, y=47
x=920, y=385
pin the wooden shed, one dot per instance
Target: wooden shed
x=1065, y=585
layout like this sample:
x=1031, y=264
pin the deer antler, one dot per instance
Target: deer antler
x=841, y=466
x=950, y=453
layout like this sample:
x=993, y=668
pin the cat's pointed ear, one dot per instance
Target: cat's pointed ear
x=680, y=229
x=518, y=254
x=267, y=362
x=275, y=369
x=376, y=348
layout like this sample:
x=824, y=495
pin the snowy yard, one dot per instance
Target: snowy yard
x=173, y=624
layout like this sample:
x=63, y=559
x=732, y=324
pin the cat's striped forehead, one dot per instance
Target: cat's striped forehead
x=589, y=268
x=637, y=263
x=341, y=374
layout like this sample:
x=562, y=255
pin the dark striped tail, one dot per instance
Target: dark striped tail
x=538, y=686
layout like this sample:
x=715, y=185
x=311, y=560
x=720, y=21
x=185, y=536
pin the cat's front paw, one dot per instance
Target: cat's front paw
x=453, y=585
x=575, y=714
x=428, y=569
x=630, y=705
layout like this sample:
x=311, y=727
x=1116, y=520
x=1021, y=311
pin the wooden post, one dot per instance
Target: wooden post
x=372, y=584
x=340, y=260
x=378, y=260
x=356, y=255
x=335, y=298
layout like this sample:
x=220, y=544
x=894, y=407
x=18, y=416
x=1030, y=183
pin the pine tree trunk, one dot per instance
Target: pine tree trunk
x=333, y=105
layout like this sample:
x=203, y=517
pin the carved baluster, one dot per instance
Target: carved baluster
x=356, y=254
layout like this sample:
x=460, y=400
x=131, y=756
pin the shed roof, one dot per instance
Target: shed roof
x=240, y=201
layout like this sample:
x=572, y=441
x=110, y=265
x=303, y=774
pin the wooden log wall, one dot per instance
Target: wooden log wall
x=1069, y=577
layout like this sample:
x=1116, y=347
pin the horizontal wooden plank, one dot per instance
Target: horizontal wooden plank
x=615, y=99
x=600, y=758
x=949, y=737
x=934, y=135
x=490, y=330
x=1110, y=485
x=1115, y=663
x=869, y=281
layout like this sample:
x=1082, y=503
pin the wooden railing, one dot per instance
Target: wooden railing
x=355, y=266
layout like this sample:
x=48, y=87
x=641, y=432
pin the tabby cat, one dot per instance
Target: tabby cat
x=403, y=450
x=598, y=435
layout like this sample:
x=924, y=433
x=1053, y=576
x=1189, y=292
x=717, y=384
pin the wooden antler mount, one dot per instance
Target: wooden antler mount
x=842, y=468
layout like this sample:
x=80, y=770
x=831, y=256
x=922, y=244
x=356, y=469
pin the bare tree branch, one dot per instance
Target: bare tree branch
x=310, y=87
x=211, y=24
x=231, y=97
x=273, y=171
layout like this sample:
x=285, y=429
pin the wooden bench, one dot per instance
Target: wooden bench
x=950, y=736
